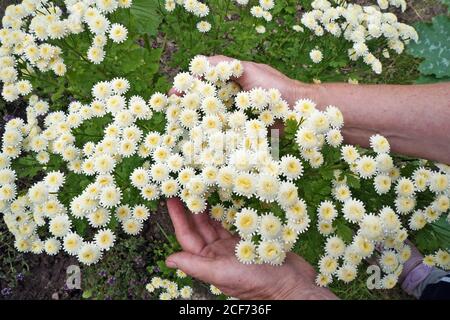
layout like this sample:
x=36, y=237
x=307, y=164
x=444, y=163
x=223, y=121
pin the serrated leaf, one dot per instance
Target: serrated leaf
x=434, y=46
x=146, y=18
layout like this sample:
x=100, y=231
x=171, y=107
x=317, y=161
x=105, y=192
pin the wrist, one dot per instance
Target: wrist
x=299, y=90
x=299, y=288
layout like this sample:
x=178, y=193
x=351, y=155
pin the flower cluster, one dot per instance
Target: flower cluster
x=359, y=24
x=194, y=7
x=169, y=290
x=202, y=10
x=218, y=148
x=35, y=30
x=40, y=206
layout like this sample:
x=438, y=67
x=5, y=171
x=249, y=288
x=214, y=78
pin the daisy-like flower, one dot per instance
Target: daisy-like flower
x=270, y=227
x=346, y=273
x=186, y=292
x=110, y=196
x=132, y=226
x=350, y=154
x=104, y=239
x=118, y=33
x=89, y=254
x=52, y=246
x=366, y=167
x=379, y=144
x=335, y=246
x=316, y=55
x=291, y=167
x=247, y=222
x=245, y=252
x=328, y=265
x=327, y=211
x=140, y=213
x=60, y=225
x=353, y=210
x=271, y=252
x=140, y=177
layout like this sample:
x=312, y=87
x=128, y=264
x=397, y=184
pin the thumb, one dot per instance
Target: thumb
x=196, y=266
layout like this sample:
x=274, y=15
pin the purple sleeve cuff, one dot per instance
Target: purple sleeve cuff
x=415, y=277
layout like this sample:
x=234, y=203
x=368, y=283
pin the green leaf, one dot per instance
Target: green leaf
x=434, y=46
x=86, y=294
x=447, y=3
x=26, y=167
x=145, y=16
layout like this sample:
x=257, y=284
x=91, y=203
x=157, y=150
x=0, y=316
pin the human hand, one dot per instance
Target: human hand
x=264, y=76
x=208, y=255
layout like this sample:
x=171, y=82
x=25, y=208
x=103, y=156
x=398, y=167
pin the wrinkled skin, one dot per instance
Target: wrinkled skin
x=208, y=255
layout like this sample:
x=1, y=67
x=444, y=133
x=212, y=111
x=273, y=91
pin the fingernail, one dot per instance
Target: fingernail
x=171, y=264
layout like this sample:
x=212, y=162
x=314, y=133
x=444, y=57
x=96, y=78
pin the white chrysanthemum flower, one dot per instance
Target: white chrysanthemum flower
x=203, y=26
x=139, y=178
x=389, y=281
x=347, y=273
x=246, y=252
x=439, y=182
x=132, y=226
x=140, y=213
x=59, y=226
x=52, y=246
x=271, y=252
x=335, y=246
x=328, y=265
x=389, y=261
x=96, y=55
x=342, y=192
x=123, y=213
x=371, y=227
x=405, y=187
x=287, y=195
x=385, y=162
x=316, y=55
x=353, y=210
x=389, y=220
x=323, y=280
x=104, y=239
x=350, y=154
x=72, y=243
x=379, y=144
x=196, y=204
x=110, y=196
x=270, y=227
x=104, y=164
x=89, y=254
x=405, y=205
x=291, y=167
x=267, y=187
x=327, y=211
x=382, y=183
x=247, y=222
x=366, y=167
x=118, y=33
x=98, y=218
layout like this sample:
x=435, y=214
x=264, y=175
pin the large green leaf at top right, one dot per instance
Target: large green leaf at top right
x=433, y=46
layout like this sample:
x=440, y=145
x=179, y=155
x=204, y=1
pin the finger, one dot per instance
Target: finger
x=188, y=237
x=221, y=231
x=202, y=268
x=205, y=229
x=214, y=60
x=175, y=92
